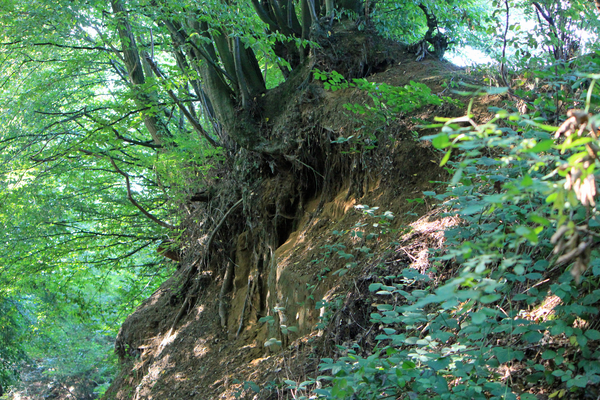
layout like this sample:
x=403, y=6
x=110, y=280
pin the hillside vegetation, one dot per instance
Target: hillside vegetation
x=281, y=200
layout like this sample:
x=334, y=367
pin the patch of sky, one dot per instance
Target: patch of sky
x=468, y=56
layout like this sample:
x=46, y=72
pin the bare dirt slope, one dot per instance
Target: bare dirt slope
x=284, y=246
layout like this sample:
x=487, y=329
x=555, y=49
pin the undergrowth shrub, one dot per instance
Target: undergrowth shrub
x=522, y=311
x=11, y=336
x=387, y=103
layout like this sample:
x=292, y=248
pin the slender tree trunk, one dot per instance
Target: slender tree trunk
x=131, y=57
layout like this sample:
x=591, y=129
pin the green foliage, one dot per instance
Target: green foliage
x=74, y=350
x=84, y=179
x=366, y=232
x=327, y=309
x=245, y=386
x=543, y=32
x=283, y=328
x=387, y=104
x=465, y=22
x=11, y=341
x=527, y=201
x=77, y=255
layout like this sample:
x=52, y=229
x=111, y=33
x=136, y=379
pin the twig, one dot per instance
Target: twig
x=295, y=159
x=68, y=390
x=135, y=203
x=408, y=254
x=503, y=71
x=179, y=314
x=212, y=235
x=195, y=124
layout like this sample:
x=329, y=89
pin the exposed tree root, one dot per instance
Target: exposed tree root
x=249, y=293
x=204, y=262
x=225, y=287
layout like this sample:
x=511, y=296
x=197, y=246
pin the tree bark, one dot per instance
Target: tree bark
x=155, y=126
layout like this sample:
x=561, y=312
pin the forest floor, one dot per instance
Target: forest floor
x=37, y=383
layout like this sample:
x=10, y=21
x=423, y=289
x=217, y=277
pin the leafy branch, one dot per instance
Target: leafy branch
x=134, y=202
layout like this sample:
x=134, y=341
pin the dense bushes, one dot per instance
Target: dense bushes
x=521, y=314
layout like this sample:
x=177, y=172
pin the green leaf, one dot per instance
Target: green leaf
x=271, y=342
x=533, y=336
x=535, y=377
x=445, y=158
x=544, y=145
x=578, y=381
x=575, y=143
x=495, y=90
x=439, y=363
x=592, y=334
x=527, y=233
x=489, y=298
x=519, y=269
x=374, y=287
x=441, y=141
x=503, y=355
x=406, y=365
x=591, y=298
x=473, y=209
x=539, y=220
x=478, y=318
x=269, y=319
x=255, y=388
x=442, y=336
x=541, y=265
x=548, y=355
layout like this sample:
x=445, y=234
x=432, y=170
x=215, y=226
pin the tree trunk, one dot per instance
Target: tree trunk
x=131, y=57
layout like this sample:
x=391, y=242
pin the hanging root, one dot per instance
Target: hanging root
x=214, y=232
x=249, y=293
x=187, y=303
x=225, y=287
